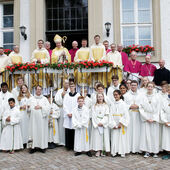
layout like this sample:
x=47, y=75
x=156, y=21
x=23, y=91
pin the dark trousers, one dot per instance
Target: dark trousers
x=69, y=136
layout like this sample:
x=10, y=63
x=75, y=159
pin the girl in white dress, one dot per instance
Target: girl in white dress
x=118, y=122
x=149, y=110
x=23, y=100
x=143, y=88
x=100, y=141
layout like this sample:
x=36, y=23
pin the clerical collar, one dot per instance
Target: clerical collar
x=72, y=94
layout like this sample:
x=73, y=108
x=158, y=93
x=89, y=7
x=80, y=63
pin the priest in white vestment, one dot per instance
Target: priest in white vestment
x=39, y=107
x=11, y=138
x=59, y=98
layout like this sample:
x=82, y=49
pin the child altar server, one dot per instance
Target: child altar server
x=80, y=122
x=118, y=122
x=149, y=110
x=165, y=118
x=53, y=128
x=100, y=141
x=11, y=138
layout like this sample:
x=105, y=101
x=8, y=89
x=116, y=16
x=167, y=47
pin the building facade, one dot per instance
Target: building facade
x=143, y=22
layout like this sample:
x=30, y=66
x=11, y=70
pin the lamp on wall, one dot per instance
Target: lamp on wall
x=22, y=30
x=107, y=27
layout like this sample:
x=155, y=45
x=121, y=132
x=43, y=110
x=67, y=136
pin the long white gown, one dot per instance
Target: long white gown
x=119, y=137
x=100, y=138
x=53, y=131
x=38, y=127
x=135, y=120
x=59, y=102
x=80, y=124
x=25, y=118
x=11, y=138
x=149, y=137
x=165, y=117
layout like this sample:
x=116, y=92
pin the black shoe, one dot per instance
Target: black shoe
x=89, y=154
x=32, y=151
x=42, y=150
x=77, y=154
x=54, y=145
x=25, y=145
x=51, y=146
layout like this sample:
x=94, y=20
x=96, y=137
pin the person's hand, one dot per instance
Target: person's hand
x=150, y=121
x=51, y=112
x=120, y=125
x=100, y=125
x=38, y=60
x=167, y=124
x=132, y=106
x=70, y=115
x=135, y=106
x=8, y=119
x=38, y=107
x=28, y=106
x=24, y=107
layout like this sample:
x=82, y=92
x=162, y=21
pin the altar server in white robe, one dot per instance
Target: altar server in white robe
x=113, y=87
x=4, y=96
x=59, y=98
x=38, y=134
x=118, y=122
x=69, y=103
x=100, y=141
x=23, y=100
x=149, y=110
x=100, y=90
x=53, y=131
x=133, y=100
x=80, y=124
x=165, y=118
x=11, y=138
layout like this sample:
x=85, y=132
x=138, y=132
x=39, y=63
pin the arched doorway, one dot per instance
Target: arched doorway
x=67, y=18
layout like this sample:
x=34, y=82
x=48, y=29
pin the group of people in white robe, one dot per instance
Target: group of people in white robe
x=127, y=119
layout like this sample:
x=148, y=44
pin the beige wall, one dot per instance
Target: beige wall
x=95, y=19
x=37, y=22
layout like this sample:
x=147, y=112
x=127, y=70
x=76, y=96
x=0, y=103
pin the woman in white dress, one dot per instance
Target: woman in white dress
x=143, y=88
x=118, y=122
x=149, y=110
x=23, y=100
x=100, y=141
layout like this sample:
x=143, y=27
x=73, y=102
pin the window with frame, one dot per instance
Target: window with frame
x=136, y=22
x=7, y=26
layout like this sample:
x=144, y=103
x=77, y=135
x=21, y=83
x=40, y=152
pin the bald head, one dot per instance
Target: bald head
x=161, y=63
x=148, y=59
x=74, y=44
x=16, y=48
x=119, y=47
x=133, y=55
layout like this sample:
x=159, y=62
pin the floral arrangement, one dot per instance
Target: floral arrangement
x=7, y=51
x=58, y=66
x=143, y=49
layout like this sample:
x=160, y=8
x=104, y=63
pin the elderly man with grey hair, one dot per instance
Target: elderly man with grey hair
x=161, y=74
x=73, y=50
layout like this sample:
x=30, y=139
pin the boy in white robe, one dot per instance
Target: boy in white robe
x=53, y=131
x=69, y=103
x=133, y=100
x=165, y=118
x=149, y=110
x=38, y=132
x=100, y=141
x=59, y=98
x=80, y=121
x=113, y=87
x=118, y=122
x=11, y=138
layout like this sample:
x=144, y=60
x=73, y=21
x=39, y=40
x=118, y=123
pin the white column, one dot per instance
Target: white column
x=1, y=25
x=24, y=21
x=108, y=17
x=165, y=31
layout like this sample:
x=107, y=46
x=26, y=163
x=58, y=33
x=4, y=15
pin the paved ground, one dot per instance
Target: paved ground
x=59, y=158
